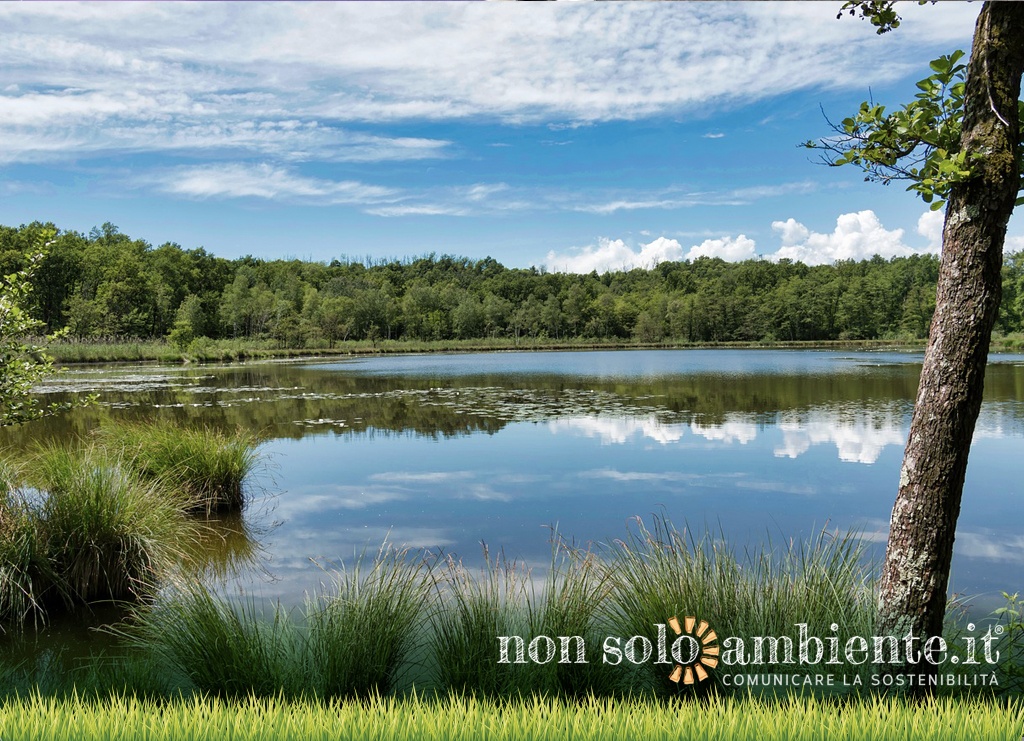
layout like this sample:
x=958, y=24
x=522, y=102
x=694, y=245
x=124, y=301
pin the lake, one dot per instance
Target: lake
x=446, y=452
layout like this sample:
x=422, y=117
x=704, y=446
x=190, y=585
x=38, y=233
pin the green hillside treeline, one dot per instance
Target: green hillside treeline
x=107, y=286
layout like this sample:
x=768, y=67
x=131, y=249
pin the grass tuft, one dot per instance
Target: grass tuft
x=26, y=574
x=207, y=465
x=504, y=600
x=220, y=649
x=105, y=521
x=662, y=572
x=108, y=534
x=471, y=611
x=356, y=637
x=364, y=625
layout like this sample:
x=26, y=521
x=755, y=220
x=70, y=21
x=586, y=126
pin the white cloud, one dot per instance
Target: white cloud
x=984, y=543
x=729, y=249
x=72, y=125
x=716, y=135
x=275, y=182
x=83, y=78
x=670, y=198
x=791, y=231
x=412, y=209
x=615, y=430
x=270, y=182
x=929, y=226
x=482, y=191
x=728, y=432
x=632, y=204
x=991, y=546
x=479, y=198
x=1014, y=244
x=311, y=502
x=857, y=236
x=631, y=476
x=614, y=254
x=427, y=477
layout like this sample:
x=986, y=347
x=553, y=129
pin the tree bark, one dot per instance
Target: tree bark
x=912, y=596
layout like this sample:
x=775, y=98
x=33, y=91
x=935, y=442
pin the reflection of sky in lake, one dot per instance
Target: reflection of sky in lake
x=446, y=451
x=748, y=477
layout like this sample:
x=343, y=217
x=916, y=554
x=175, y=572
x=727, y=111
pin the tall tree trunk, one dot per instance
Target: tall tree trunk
x=916, y=571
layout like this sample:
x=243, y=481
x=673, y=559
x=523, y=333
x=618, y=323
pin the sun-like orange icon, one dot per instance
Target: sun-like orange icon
x=707, y=656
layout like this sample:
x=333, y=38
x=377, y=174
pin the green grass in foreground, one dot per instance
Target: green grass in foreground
x=661, y=571
x=463, y=718
x=353, y=639
x=471, y=610
x=401, y=620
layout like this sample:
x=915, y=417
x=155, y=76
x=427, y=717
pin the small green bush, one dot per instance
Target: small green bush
x=366, y=623
x=355, y=638
x=220, y=649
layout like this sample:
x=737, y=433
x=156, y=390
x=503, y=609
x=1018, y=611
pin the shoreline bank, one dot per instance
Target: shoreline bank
x=232, y=350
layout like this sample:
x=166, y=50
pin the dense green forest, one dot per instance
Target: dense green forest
x=108, y=286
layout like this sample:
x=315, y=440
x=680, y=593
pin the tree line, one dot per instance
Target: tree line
x=106, y=285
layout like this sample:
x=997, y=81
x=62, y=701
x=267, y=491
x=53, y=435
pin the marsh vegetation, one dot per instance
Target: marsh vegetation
x=109, y=518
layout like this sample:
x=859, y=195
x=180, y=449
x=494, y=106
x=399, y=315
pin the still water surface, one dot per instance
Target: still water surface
x=447, y=451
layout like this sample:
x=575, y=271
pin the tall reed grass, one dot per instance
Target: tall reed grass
x=218, y=648
x=472, y=611
x=367, y=621
x=661, y=572
x=206, y=464
x=108, y=534
x=354, y=638
x=397, y=621
x=26, y=574
x=103, y=521
x=76, y=527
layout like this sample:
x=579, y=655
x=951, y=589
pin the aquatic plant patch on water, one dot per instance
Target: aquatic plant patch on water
x=77, y=525
x=462, y=718
x=109, y=534
x=208, y=465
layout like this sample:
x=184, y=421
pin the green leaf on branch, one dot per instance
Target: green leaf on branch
x=919, y=143
x=23, y=364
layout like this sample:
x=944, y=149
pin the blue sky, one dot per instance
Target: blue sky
x=574, y=136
